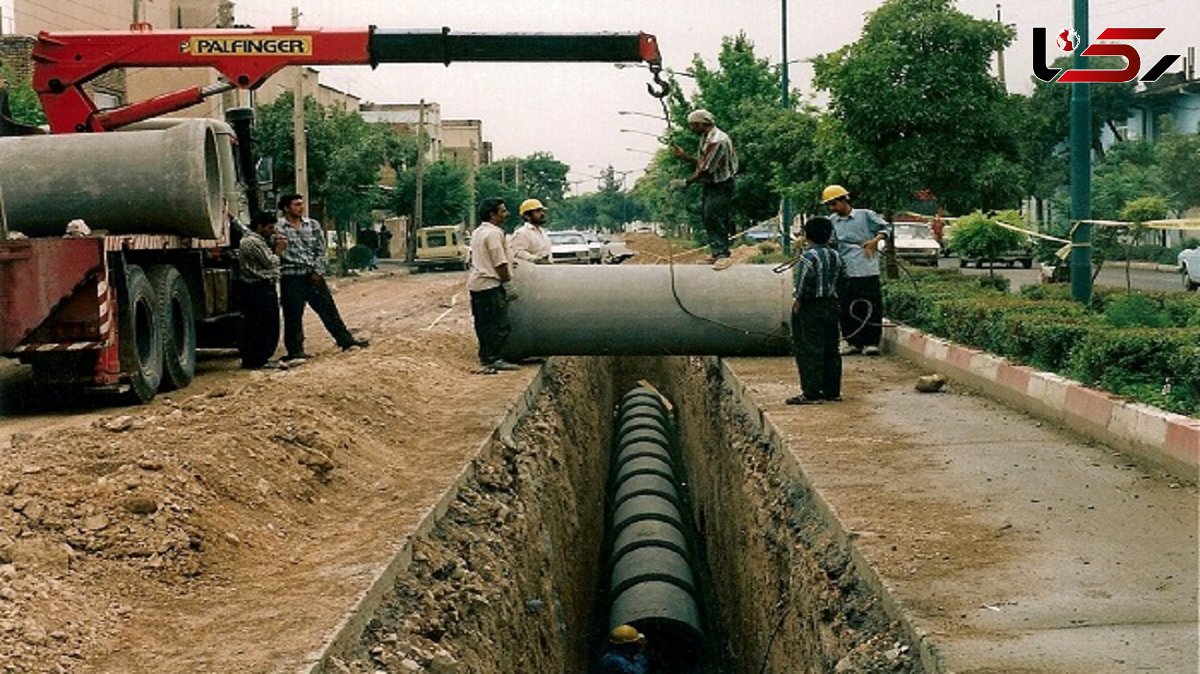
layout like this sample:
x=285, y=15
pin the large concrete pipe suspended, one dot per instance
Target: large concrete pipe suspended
x=632, y=310
x=652, y=585
x=165, y=181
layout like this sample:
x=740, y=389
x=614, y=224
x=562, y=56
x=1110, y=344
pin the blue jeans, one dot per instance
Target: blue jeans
x=718, y=216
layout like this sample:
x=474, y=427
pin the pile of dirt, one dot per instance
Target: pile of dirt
x=654, y=249
x=243, y=510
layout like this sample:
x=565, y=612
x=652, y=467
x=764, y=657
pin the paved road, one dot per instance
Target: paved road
x=1112, y=274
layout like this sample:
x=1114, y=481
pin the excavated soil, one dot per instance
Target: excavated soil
x=231, y=526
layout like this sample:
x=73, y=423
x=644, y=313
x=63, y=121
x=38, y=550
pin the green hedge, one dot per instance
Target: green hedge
x=1143, y=345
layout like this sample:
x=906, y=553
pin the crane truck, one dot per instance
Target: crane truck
x=121, y=301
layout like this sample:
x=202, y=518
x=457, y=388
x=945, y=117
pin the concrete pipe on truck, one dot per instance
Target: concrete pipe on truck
x=647, y=310
x=165, y=181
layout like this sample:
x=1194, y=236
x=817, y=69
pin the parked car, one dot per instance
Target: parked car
x=569, y=247
x=762, y=233
x=595, y=247
x=1189, y=267
x=443, y=246
x=914, y=243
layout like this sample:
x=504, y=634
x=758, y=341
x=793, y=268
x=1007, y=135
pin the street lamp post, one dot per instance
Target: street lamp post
x=785, y=207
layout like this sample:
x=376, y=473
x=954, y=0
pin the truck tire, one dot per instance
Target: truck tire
x=140, y=342
x=178, y=326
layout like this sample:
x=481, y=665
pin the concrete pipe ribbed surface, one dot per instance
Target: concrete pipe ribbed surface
x=138, y=182
x=652, y=585
x=649, y=310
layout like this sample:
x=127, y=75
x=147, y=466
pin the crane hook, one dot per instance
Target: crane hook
x=659, y=88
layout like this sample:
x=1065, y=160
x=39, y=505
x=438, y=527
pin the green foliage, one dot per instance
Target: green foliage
x=358, y=257
x=1132, y=345
x=1134, y=310
x=345, y=155
x=1130, y=171
x=1144, y=209
x=23, y=101
x=901, y=96
x=978, y=236
x=1179, y=162
x=447, y=198
x=1050, y=104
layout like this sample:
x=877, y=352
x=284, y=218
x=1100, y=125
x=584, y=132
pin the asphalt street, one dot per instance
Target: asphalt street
x=1141, y=276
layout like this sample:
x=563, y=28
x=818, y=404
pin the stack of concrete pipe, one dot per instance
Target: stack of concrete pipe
x=652, y=585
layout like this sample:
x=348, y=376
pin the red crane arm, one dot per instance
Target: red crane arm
x=63, y=62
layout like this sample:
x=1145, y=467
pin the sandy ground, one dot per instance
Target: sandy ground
x=227, y=527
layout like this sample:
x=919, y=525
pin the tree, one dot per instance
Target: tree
x=1129, y=171
x=915, y=108
x=22, y=99
x=980, y=237
x=447, y=196
x=345, y=155
x=1179, y=162
x=1050, y=105
x=742, y=92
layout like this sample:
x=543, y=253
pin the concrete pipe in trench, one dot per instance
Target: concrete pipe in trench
x=633, y=310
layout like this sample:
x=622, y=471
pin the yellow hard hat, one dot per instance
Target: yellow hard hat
x=833, y=192
x=625, y=634
x=530, y=205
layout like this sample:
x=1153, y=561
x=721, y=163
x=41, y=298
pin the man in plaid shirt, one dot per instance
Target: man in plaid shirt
x=819, y=272
x=303, y=280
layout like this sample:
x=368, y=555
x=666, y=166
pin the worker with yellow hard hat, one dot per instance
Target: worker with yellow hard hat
x=858, y=233
x=624, y=654
x=530, y=242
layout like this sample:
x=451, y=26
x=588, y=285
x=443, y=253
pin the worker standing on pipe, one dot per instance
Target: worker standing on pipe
x=815, y=316
x=858, y=232
x=716, y=165
x=531, y=243
x=625, y=652
x=303, y=281
x=490, y=271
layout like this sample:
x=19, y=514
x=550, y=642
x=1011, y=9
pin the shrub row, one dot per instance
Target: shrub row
x=1145, y=346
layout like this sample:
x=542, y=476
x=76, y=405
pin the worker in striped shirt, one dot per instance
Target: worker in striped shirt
x=716, y=164
x=815, y=308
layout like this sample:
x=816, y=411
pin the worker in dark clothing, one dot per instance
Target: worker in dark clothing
x=815, y=310
x=625, y=652
x=258, y=272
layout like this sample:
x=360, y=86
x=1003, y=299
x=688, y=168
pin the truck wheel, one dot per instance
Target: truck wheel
x=140, y=342
x=178, y=323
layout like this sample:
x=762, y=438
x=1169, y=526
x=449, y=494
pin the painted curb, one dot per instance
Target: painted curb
x=1161, y=439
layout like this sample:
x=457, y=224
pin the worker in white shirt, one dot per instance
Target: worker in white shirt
x=530, y=243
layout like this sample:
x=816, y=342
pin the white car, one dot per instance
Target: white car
x=569, y=248
x=915, y=243
x=595, y=247
x=1189, y=267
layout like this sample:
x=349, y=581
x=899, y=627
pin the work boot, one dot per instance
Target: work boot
x=849, y=350
x=722, y=263
x=871, y=351
x=360, y=343
x=503, y=365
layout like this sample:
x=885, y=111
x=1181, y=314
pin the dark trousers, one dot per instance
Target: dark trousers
x=815, y=346
x=298, y=291
x=490, y=310
x=718, y=216
x=862, y=311
x=260, y=323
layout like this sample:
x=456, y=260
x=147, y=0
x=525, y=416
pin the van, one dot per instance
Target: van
x=443, y=246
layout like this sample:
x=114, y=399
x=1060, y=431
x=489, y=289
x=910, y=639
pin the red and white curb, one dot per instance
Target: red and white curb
x=1165, y=439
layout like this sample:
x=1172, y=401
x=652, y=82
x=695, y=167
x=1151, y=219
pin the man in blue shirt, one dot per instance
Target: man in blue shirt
x=858, y=232
x=819, y=272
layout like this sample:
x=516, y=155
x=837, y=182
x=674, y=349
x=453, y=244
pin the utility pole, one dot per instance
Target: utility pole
x=301, y=138
x=473, y=167
x=229, y=99
x=1081, y=168
x=1000, y=51
x=785, y=205
x=419, y=199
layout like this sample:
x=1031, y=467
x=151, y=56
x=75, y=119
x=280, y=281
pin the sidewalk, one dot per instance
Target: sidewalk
x=1006, y=544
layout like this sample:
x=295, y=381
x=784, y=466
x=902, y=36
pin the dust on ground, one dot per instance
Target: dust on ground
x=227, y=527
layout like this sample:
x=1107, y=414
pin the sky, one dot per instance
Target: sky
x=572, y=110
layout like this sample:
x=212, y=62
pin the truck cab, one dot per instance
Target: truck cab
x=443, y=246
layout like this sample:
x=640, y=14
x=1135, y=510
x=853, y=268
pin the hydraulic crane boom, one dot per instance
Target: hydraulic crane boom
x=64, y=62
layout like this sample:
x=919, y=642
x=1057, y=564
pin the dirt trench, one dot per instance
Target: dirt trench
x=512, y=578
